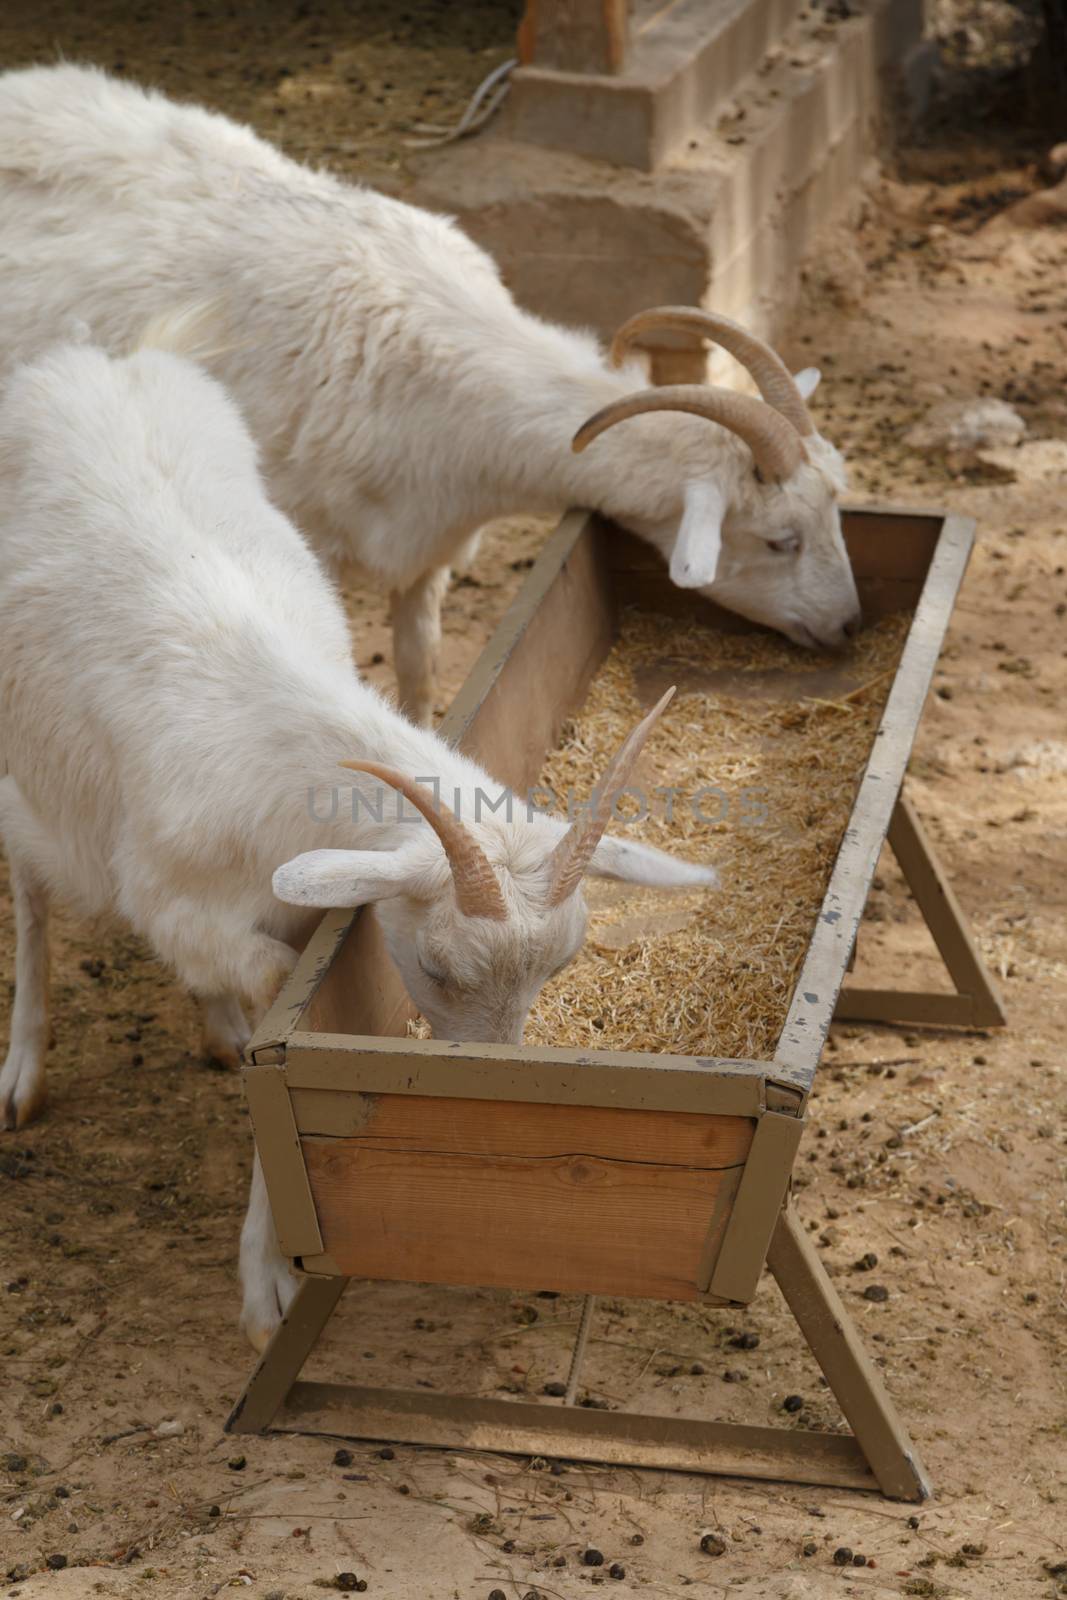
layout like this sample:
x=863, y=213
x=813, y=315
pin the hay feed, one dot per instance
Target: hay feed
x=784, y=736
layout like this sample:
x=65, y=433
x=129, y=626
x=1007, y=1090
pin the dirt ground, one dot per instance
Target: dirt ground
x=941, y=1153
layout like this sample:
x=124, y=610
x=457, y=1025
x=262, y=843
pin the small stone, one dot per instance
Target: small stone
x=56, y=1563
x=842, y=1556
x=877, y=1292
x=592, y=1557
x=497, y=1594
x=387, y=1453
x=810, y=1549
x=15, y=1463
x=637, y=1538
x=556, y=1389
x=745, y=1341
x=342, y=1458
x=560, y=1561
x=712, y=1544
x=913, y=1522
x=61, y=1491
x=698, y=1369
x=531, y=1594
x=859, y=1561
x=616, y=1570
x=793, y=1402
x=237, y=1463
x=732, y=1375
x=347, y=1582
x=214, y=1511
x=866, y=1262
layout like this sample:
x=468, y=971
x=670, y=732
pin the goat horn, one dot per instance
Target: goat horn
x=774, y=442
x=571, y=857
x=478, y=893
x=773, y=378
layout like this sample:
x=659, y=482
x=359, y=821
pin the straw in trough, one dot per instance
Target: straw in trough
x=783, y=736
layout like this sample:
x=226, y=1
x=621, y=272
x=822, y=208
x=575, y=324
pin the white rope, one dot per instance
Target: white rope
x=495, y=86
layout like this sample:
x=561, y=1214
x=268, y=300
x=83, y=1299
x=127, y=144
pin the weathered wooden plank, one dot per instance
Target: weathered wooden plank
x=854, y=1379
x=943, y=914
x=283, y=1358
x=815, y=996
x=754, y=1217
x=571, y=1222
x=337, y=1064
x=615, y=1437
x=528, y=1128
x=535, y=670
x=924, y=1007
x=278, y=1147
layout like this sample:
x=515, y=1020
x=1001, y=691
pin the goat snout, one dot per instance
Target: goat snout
x=840, y=635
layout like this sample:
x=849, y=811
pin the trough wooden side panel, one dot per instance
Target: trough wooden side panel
x=514, y=1128
x=545, y=1211
x=537, y=667
x=362, y=993
x=890, y=555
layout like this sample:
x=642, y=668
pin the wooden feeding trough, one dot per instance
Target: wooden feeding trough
x=441, y=1162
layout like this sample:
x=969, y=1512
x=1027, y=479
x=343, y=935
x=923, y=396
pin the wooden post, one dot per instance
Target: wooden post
x=574, y=35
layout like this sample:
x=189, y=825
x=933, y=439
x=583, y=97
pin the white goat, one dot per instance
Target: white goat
x=399, y=397
x=175, y=680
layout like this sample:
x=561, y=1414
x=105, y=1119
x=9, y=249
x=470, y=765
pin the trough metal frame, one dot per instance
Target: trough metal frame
x=756, y=1223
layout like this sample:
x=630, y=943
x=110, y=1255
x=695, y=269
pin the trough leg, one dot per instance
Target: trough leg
x=976, y=1002
x=853, y=1378
x=280, y=1364
x=944, y=915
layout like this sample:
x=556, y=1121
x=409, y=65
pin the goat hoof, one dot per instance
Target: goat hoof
x=258, y=1337
x=16, y=1111
x=223, y=1058
x=22, y=1093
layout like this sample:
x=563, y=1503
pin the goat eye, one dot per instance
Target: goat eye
x=788, y=546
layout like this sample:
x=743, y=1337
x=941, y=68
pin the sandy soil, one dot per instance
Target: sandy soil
x=121, y=1209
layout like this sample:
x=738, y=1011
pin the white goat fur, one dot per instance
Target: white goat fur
x=399, y=397
x=175, y=676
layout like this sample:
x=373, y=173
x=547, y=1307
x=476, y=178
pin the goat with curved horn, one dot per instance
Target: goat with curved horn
x=775, y=444
x=478, y=892
x=773, y=378
x=570, y=859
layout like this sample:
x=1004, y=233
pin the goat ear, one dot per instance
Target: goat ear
x=631, y=862
x=807, y=381
x=695, y=557
x=327, y=878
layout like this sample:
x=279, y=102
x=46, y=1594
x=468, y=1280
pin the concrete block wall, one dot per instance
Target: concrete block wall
x=726, y=222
